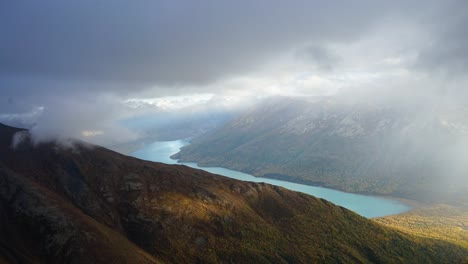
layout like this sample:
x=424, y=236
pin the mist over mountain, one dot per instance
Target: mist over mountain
x=407, y=151
x=173, y=124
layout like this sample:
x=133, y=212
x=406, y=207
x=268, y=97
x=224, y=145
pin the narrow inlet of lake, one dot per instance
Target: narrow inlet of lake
x=365, y=205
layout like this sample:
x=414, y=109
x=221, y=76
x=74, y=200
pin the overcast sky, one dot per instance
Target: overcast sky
x=77, y=67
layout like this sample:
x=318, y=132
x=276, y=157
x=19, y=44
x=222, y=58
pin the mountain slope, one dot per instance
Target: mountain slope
x=442, y=222
x=356, y=148
x=77, y=203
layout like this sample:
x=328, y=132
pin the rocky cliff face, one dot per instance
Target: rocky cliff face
x=366, y=148
x=85, y=204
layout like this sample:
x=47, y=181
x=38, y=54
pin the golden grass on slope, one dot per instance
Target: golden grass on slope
x=442, y=222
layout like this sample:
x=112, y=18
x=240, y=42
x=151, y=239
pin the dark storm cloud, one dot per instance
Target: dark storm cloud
x=180, y=42
x=165, y=41
x=447, y=50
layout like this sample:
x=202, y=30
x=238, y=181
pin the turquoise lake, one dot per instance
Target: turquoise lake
x=365, y=205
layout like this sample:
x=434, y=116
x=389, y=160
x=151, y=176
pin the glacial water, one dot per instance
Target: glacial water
x=365, y=205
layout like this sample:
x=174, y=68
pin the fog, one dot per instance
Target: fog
x=86, y=69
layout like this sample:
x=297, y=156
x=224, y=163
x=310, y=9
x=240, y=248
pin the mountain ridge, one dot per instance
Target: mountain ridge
x=82, y=203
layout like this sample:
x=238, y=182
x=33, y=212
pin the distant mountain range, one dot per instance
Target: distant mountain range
x=410, y=152
x=73, y=202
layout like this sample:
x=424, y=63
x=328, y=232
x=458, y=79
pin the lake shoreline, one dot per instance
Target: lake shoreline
x=367, y=205
x=411, y=203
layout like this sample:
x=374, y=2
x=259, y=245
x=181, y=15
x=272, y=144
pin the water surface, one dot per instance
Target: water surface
x=365, y=205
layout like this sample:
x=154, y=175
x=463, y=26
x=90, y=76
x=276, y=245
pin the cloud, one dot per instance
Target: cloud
x=80, y=60
x=166, y=42
x=93, y=119
x=23, y=120
x=322, y=57
x=446, y=51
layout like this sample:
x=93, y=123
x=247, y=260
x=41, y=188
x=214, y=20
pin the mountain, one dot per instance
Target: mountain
x=411, y=152
x=72, y=202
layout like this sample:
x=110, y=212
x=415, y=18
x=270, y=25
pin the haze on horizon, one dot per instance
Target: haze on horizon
x=81, y=68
